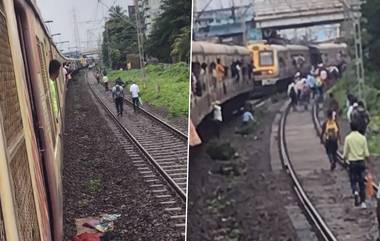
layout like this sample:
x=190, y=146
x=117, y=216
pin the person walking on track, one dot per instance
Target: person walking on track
x=105, y=81
x=329, y=137
x=118, y=97
x=134, y=89
x=333, y=105
x=360, y=117
x=356, y=153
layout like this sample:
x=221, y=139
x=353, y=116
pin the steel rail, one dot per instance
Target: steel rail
x=318, y=129
x=139, y=146
x=177, y=132
x=315, y=218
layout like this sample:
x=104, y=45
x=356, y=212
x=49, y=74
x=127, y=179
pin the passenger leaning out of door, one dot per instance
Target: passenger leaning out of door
x=54, y=70
x=219, y=75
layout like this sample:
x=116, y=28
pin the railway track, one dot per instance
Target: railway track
x=318, y=129
x=161, y=151
x=310, y=210
x=324, y=196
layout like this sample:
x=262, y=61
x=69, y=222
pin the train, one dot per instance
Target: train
x=30, y=131
x=263, y=66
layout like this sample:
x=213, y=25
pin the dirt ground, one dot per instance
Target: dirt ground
x=248, y=206
x=98, y=178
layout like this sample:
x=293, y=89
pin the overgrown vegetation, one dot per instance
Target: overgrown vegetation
x=94, y=185
x=371, y=49
x=170, y=36
x=372, y=98
x=165, y=86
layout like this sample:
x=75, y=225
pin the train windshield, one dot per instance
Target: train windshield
x=266, y=58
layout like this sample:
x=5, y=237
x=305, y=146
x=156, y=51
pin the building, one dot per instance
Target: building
x=149, y=10
x=131, y=11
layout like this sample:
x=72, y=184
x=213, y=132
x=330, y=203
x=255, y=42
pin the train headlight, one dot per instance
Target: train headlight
x=270, y=72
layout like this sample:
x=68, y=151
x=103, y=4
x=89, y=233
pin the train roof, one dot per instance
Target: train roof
x=213, y=48
x=331, y=45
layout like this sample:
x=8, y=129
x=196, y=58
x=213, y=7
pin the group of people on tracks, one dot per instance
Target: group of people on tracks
x=356, y=154
x=355, y=146
x=301, y=89
x=118, y=92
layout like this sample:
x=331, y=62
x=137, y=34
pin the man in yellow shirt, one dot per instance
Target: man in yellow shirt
x=356, y=154
x=54, y=70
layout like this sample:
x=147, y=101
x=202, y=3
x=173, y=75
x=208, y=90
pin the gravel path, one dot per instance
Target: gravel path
x=251, y=206
x=98, y=176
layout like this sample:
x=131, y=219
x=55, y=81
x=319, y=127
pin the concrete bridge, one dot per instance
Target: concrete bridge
x=263, y=15
x=283, y=14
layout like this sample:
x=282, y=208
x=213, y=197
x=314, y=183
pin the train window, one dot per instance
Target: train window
x=266, y=58
x=282, y=62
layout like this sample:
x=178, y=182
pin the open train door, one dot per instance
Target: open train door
x=45, y=208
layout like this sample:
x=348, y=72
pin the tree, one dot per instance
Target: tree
x=371, y=33
x=168, y=26
x=181, y=45
x=119, y=38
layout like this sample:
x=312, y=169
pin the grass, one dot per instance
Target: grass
x=372, y=98
x=166, y=86
x=94, y=185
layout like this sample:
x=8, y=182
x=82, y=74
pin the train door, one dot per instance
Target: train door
x=14, y=141
x=22, y=24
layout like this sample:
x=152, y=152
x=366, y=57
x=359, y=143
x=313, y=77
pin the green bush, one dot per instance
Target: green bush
x=372, y=98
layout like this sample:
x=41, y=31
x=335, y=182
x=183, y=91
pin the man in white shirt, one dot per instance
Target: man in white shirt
x=105, y=81
x=349, y=111
x=134, y=89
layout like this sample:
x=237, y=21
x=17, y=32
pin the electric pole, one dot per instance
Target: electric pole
x=76, y=31
x=140, y=38
x=352, y=12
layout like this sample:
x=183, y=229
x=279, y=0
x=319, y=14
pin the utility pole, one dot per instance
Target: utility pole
x=352, y=12
x=76, y=31
x=140, y=40
x=108, y=45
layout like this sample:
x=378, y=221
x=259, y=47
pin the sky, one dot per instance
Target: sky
x=61, y=12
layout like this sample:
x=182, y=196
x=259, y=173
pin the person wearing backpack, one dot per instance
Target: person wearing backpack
x=360, y=117
x=118, y=96
x=329, y=137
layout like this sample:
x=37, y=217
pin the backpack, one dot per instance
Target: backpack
x=118, y=92
x=359, y=117
x=331, y=130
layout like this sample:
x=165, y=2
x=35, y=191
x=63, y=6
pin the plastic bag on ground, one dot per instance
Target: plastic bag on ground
x=369, y=187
